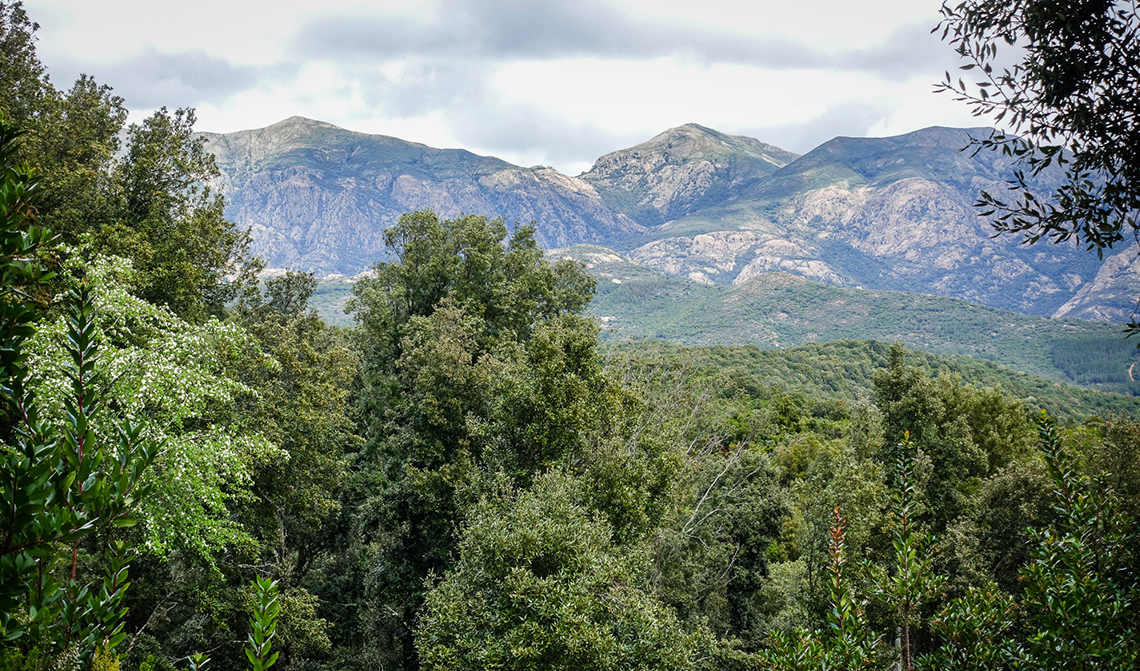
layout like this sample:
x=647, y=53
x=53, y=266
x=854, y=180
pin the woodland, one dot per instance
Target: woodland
x=199, y=473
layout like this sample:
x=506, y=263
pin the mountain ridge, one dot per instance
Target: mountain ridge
x=875, y=213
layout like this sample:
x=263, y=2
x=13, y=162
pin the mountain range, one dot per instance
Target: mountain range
x=859, y=213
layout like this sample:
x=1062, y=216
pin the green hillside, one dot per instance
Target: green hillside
x=842, y=370
x=777, y=310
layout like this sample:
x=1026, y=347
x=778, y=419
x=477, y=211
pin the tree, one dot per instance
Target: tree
x=539, y=585
x=1070, y=96
x=65, y=480
x=1082, y=586
x=148, y=200
x=171, y=225
x=476, y=364
x=22, y=76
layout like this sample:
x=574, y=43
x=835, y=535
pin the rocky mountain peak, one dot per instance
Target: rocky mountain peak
x=682, y=170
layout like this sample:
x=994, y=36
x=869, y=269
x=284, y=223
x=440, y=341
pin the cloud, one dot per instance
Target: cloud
x=420, y=86
x=502, y=30
x=536, y=136
x=855, y=120
x=152, y=78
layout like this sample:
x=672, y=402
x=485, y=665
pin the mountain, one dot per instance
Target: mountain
x=882, y=213
x=890, y=213
x=318, y=197
x=681, y=171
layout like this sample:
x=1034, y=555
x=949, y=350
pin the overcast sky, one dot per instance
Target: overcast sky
x=551, y=82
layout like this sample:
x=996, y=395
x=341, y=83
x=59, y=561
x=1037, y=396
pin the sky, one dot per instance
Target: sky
x=534, y=82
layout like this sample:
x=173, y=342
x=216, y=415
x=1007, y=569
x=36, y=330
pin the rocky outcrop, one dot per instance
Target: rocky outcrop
x=1112, y=295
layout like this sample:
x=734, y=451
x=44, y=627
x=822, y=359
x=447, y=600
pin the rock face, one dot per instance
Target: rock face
x=1111, y=295
x=318, y=198
x=876, y=213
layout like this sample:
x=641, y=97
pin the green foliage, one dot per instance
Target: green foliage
x=474, y=363
x=908, y=583
x=538, y=585
x=263, y=624
x=1081, y=585
x=63, y=479
x=975, y=632
x=198, y=662
x=147, y=201
x=846, y=645
x=171, y=224
x=966, y=433
x=182, y=378
x=844, y=370
x=1059, y=93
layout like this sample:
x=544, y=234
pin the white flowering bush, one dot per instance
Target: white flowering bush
x=183, y=380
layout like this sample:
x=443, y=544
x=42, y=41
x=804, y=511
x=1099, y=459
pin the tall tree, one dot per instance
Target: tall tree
x=475, y=361
x=170, y=222
x=149, y=201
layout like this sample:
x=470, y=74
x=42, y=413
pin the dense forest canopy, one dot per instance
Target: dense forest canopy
x=197, y=472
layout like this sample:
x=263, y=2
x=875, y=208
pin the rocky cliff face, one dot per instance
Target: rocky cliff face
x=1112, y=295
x=318, y=198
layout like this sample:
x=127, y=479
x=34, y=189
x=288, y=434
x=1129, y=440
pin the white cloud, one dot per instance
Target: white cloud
x=531, y=81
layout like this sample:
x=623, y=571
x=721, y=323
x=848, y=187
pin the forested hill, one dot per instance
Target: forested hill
x=843, y=370
x=692, y=202
x=783, y=310
x=780, y=310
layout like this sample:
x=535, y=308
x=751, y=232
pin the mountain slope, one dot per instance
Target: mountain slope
x=880, y=213
x=318, y=197
x=779, y=310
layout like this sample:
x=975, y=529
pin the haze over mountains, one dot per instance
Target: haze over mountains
x=694, y=203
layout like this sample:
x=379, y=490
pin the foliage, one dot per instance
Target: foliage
x=846, y=645
x=975, y=632
x=171, y=224
x=147, y=200
x=539, y=585
x=63, y=479
x=1081, y=585
x=474, y=362
x=1067, y=91
x=180, y=377
x=263, y=624
x=908, y=583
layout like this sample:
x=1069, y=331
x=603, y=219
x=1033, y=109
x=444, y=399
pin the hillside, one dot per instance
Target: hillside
x=884, y=213
x=779, y=310
x=843, y=369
